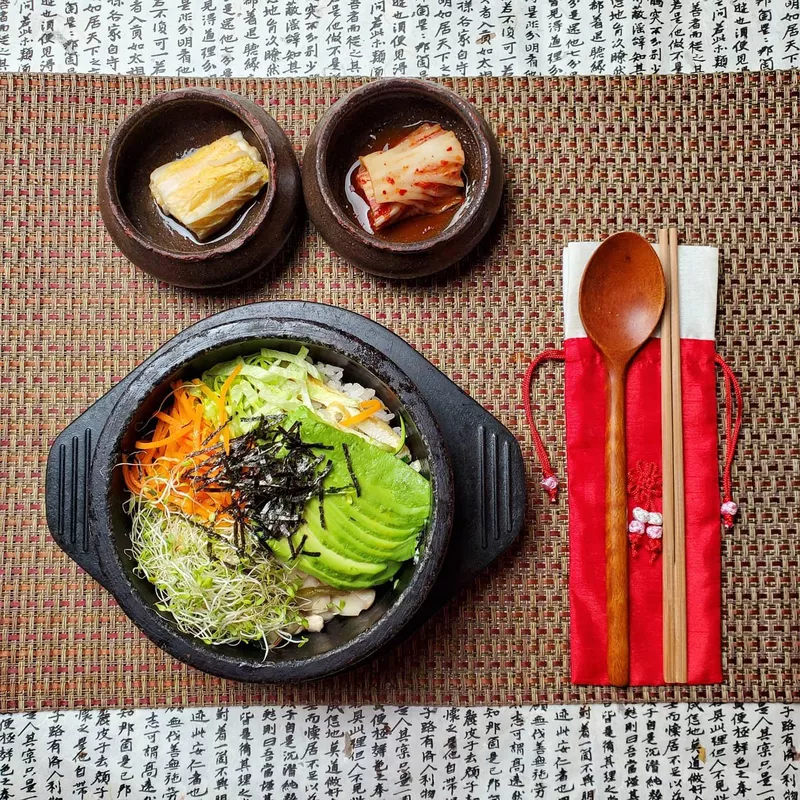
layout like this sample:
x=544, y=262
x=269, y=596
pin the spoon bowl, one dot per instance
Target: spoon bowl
x=621, y=300
x=622, y=294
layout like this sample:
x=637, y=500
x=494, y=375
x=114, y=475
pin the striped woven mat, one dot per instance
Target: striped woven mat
x=717, y=155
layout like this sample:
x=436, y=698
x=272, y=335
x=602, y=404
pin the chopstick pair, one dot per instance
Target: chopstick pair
x=674, y=517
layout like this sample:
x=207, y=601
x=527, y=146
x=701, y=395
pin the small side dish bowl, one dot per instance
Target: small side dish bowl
x=165, y=129
x=344, y=641
x=343, y=134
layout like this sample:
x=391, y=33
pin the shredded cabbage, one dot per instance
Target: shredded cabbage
x=269, y=382
x=273, y=382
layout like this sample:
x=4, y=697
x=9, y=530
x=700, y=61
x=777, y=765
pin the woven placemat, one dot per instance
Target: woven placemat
x=718, y=155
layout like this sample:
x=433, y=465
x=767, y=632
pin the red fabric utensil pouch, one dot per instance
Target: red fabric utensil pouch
x=585, y=407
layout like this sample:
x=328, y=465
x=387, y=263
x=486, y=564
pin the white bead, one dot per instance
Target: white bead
x=636, y=526
x=640, y=514
x=655, y=531
x=654, y=518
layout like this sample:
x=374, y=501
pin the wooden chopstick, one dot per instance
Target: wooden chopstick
x=667, y=460
x=674, y=527
x=679, y=535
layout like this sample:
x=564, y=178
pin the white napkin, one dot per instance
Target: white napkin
x=698, y=267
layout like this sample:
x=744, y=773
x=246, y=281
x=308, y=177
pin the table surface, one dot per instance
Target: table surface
x=645, y=751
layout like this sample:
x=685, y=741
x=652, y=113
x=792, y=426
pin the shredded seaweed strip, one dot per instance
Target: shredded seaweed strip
x=296, y=552
x=349, y=463
x=211, y=436
x=322, y=510
x=271, y=473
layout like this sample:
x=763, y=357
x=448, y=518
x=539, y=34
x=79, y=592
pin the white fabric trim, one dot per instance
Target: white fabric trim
x=698, y=266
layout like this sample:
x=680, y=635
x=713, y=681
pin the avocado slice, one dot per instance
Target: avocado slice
x=329, y=567
x=365, y=514
x=388, y=485
x=346, y=537
x=366, y=518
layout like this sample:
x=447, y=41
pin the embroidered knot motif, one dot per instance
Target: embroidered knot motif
x=644, y=483
x=645, y=529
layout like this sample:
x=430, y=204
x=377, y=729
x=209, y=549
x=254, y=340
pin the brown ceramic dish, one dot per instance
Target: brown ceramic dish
x=163, y=130
x=342, y=135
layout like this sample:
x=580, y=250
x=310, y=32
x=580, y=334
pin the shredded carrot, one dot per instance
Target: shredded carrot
x=131, y=480
x=146, y=457
x=197, y=425
x=161, y=429
x=183, y=403
x=223, y=415
x=179, y=434
x=168, y=454
x=208, y=391
x=369, y=407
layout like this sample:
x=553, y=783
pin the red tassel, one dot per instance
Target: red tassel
x=549, y=481
x=654, y=546
x=733, y=426
x=636, y=540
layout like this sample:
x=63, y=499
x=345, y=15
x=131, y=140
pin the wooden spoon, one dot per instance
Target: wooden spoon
x=621, y=300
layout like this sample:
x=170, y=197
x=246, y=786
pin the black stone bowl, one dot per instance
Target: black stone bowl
x=344, y=641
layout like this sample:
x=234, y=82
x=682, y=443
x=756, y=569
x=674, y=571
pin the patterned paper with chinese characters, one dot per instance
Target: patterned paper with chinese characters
x=650, y=752
x=397, y=37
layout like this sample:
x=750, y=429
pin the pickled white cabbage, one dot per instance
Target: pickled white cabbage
x=205, y=189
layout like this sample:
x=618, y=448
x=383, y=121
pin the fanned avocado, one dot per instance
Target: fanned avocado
x=330, y=568
x=344, y=536
x=364, y=531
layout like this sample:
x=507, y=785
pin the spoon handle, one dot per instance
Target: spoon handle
x=616, y=530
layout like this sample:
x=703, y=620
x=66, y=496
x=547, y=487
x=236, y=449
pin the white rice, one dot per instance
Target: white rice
x=333, y=376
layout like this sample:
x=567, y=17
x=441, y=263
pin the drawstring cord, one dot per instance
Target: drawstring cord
x=733, y=426
x=549, y=481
